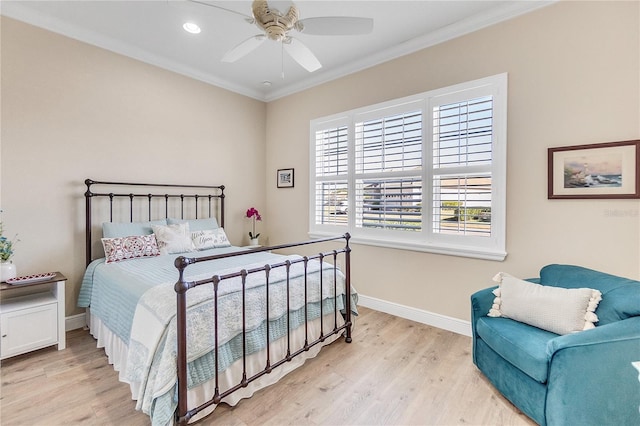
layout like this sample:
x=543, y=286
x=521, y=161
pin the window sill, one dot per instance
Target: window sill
x=472, y=252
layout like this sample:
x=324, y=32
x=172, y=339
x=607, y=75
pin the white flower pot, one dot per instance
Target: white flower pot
x=254, y=242
x=7, y=270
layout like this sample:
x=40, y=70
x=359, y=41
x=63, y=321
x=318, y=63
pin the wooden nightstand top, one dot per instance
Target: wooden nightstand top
x=56, y=278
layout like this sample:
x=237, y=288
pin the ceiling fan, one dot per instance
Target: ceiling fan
x=277, y=26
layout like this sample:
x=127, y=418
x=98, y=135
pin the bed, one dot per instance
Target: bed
x=189, y=325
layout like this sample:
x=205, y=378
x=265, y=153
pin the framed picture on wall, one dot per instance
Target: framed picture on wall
x=604, y=170
x=285, y=178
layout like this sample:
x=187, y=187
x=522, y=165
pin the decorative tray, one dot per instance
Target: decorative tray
x=31, y=278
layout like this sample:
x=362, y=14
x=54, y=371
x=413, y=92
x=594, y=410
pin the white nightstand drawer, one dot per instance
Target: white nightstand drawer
x=29, y=328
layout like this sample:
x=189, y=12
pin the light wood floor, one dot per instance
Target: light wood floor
x=396, y=372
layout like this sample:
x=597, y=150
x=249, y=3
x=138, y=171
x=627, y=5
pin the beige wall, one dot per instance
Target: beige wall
x=72, y=111
x=574, y=78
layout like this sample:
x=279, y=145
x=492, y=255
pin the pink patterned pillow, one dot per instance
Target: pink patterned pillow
x=133, y=247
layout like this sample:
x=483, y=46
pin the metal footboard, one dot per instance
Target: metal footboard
x=183, y=414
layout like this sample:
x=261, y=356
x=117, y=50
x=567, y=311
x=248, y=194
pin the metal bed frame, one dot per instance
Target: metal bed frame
x=214, y=198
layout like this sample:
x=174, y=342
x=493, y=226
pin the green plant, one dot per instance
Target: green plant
x=6, y=245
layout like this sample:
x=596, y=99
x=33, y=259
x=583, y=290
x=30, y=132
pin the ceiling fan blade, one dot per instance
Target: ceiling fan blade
x=335, y=25
x=301, y=54
x=209, y=4
x=243, y=48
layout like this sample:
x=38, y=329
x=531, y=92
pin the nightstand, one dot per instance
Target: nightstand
x=34, y=318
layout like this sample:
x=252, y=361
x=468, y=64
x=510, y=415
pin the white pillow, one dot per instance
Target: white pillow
x=173, y=238
x=556, y=309
x=210, y=238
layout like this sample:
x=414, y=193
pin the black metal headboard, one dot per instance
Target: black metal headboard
x=163, y=201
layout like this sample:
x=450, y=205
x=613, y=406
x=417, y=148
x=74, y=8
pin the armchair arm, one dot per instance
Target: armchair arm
x=481, y=302
x=628, y=329
x=591, y=380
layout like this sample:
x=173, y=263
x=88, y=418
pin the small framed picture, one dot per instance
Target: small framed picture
x=604, y=170
x=285, y=178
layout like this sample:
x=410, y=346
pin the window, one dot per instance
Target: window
x=426, y=172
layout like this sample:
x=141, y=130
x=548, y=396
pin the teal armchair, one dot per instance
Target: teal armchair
x=584, y=378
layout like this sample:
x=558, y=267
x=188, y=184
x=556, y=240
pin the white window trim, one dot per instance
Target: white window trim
x=489, y=248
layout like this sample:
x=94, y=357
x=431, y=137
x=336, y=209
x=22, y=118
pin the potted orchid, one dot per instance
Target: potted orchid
x=254, y=215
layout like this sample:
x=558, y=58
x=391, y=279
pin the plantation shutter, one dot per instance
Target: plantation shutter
x=331, y=166
x=462, y=159
x=388, y=170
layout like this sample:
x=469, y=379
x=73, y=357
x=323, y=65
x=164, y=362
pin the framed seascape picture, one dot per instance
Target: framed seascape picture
x=285, y=178
x=604, y=170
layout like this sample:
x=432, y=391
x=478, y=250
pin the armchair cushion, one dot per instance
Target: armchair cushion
x=524, y=346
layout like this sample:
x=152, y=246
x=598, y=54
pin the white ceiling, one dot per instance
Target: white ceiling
x=151, y=31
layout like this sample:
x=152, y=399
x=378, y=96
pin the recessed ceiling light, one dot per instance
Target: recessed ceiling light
x=191, y=27
x=266, y=83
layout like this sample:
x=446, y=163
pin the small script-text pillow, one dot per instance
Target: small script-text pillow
x=173, y=238
x=556, y=309
x=133, y=247
x=210, y=238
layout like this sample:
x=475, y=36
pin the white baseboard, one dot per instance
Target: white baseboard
x=75, y=321
x=418, y=315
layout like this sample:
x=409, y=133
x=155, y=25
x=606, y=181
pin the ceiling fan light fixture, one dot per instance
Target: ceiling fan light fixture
x=191, y=27
x=275, y=24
